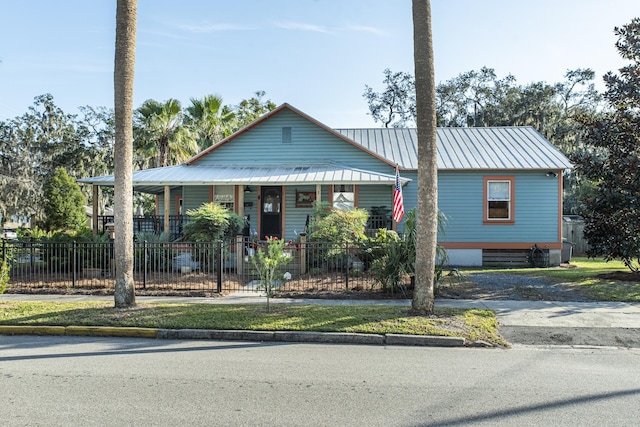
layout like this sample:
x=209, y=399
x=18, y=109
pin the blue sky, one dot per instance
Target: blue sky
x=317, y=55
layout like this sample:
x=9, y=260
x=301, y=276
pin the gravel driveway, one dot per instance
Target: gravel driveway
x=502, y=286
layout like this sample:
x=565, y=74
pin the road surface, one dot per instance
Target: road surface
x=84, y=381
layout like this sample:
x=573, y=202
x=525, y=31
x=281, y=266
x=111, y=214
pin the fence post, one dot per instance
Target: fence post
x=219, y=266
x=239, y=253
x=74, y=255
x=303, y=253
x=345, y=265
x=145, y=252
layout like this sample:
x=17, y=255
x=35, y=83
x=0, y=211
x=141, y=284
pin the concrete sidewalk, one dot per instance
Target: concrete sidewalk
x=526, y=322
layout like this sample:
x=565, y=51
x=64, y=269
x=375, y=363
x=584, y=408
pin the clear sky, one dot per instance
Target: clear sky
x=316, y=55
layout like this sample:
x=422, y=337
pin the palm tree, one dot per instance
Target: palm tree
x=160, y=134
x=209, y=121
x=124, y=66
x=427, y=232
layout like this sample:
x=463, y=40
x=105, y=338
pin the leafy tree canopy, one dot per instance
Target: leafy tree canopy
x=481, y=98
x=34, y=145
x=611, y=160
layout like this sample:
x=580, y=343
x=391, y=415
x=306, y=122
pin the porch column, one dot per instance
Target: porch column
x=94, y=218
x=318, y=193
x=240, y=200
x=167, y=203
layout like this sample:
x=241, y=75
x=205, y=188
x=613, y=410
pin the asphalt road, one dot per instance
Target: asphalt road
x=75, y=381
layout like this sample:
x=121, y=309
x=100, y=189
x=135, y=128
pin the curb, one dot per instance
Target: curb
x=80, y=330
x=239, y=335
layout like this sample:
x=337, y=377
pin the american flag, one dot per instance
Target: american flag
x=398, y=204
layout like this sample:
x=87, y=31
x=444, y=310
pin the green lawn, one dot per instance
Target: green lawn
x=470, y=324
x=585, y=278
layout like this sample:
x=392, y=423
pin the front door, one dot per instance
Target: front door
x=271, y=208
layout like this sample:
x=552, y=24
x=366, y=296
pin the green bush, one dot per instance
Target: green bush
x=337, y=228
x=212, y=222
x=393, y=257
x=4, y=276
x=340, y=226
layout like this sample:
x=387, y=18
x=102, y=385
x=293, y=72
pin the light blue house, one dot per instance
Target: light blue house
x=500, y=188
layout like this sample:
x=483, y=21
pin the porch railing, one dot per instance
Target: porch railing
x=155, y=224
x=150, y=224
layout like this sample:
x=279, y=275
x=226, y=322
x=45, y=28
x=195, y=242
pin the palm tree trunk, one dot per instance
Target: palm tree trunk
x=427, y=229
x=123, y=151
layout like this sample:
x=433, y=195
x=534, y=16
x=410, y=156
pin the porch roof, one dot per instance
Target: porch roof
x=154, y=180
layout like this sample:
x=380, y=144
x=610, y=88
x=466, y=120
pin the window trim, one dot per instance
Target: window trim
x=234, y=196
x=355, y=195
x=485, y=200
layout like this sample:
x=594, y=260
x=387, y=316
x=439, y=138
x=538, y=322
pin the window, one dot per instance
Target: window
x=224, y=195
x=286, y=135
x=344, y=197
x=499, y=199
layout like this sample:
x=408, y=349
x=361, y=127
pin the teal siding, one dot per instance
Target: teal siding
x=375, y=195
x=296, y=218
x=309, y=144
x=409, y=193
x=194, y=196
x=460, y=198
x=251, y=212
x=460, y=193
x=172, y=203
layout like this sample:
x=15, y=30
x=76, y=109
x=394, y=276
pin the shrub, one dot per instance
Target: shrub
x=4, y=276
x=337, y=228
x=340, y=226
x=212, y=222
x=64, y=203
x=393, y=258
x=267, y=261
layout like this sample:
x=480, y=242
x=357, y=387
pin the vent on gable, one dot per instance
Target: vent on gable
x=286, y=135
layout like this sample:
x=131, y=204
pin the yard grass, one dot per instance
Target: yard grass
x=586, y=276
x=471, y=324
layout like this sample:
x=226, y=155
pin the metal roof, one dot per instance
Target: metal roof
x=485, y=148
x=153, y=180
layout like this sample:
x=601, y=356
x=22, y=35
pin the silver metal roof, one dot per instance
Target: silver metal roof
x=488, y=148
x=483, y=148
x=153, y=180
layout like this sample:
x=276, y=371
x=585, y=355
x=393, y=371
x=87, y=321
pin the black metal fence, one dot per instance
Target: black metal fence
x=168, y=267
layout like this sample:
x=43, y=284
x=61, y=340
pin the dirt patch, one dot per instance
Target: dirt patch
x=53, y=290
x=505, y=286
x=334, y=286
x=624, y=276
x=474, y=286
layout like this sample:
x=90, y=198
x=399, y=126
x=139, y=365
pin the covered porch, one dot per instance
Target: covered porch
x=275, y=200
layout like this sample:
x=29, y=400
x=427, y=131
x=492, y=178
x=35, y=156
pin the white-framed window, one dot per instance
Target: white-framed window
x=344, y=197
x=225, y=196
x=499, y=199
